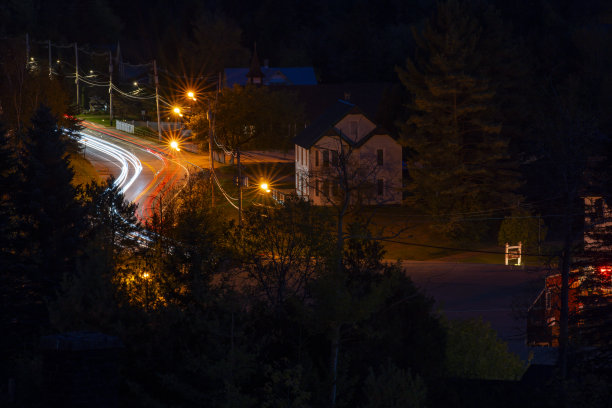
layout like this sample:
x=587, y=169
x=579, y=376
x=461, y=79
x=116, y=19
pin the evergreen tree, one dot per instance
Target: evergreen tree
x=112, y=224
x=50, y=216
x=8, y=184
x=458, y=158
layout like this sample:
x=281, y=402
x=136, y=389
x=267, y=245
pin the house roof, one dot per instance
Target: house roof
x=324, y=126
x=316, y=98
x=272, y=76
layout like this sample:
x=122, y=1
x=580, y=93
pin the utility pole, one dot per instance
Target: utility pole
x=209, y=116
x=239, y=187
x=159, y=138
x=50, y=71
x=27, y=49
x=76, y=79
x=110, y=86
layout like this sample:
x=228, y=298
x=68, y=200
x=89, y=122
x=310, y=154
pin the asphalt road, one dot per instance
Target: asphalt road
x=498, y=294
x=161, y=170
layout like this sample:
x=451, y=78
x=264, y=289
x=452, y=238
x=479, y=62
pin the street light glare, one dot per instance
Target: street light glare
x=264, y=187
x=175, y=146
x=191, y=95
x=177, y=111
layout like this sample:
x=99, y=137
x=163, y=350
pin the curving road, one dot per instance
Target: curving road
x=143, y=170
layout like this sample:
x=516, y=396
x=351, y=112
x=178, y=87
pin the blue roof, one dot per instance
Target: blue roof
x=273, y=76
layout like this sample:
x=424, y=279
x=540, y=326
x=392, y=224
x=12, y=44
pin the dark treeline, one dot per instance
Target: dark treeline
x=343, y=40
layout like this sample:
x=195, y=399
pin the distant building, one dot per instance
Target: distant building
x=265, y=75
x=344, y=147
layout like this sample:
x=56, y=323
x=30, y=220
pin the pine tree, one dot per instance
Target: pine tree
x=49, y=214
x=458, y=158
x=8, y=184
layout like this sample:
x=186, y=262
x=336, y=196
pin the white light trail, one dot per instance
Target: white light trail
x=126, y=159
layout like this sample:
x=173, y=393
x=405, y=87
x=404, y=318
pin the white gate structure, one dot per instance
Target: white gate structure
x=514, y=253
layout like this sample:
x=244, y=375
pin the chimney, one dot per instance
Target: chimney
x=347, y=96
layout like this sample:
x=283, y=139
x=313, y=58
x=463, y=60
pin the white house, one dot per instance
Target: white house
x=344, y=153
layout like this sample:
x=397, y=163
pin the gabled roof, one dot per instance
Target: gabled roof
x=272, y=76
x=324, y=124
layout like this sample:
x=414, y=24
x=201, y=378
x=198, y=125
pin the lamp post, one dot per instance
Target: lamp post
x=177, y=112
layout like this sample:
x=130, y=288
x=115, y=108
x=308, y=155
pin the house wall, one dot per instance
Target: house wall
x=597, y=219
x=390, y=172
x=302, y=170
x=313, y=181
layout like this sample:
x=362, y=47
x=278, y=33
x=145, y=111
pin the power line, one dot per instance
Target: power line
x=451, y=248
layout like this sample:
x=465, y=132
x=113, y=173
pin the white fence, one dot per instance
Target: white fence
x=124, y=126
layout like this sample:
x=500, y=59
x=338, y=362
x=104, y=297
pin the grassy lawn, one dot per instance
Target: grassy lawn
x=84, y=172
x=98, y=119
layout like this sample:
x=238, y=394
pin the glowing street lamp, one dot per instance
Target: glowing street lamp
x=191, y=95
x=264, y=187
x=174, y=144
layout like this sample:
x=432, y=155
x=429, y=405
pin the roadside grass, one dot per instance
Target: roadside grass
x=95, y=118
x=84, y=171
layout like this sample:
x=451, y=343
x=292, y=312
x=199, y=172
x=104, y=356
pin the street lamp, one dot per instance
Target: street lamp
x=264, y=187
x=191, y=95
x=174, y=144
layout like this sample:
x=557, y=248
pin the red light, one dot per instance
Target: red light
x=606, y=271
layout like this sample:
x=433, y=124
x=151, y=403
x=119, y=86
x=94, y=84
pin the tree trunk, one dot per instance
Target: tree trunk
x=335, y=351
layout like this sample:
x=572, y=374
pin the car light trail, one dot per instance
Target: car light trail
x=125, y=158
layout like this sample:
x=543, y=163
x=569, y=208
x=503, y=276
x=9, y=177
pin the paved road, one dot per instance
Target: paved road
x=499, y=294
x=160, y=170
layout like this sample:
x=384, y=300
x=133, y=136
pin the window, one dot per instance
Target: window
x=317, y=187
x=335, y=158
x=380, y=187
x=379, y=157
x=326, y=158
x=325, y=189
x=353, y=129
x=317, y=158
x=599, y=209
